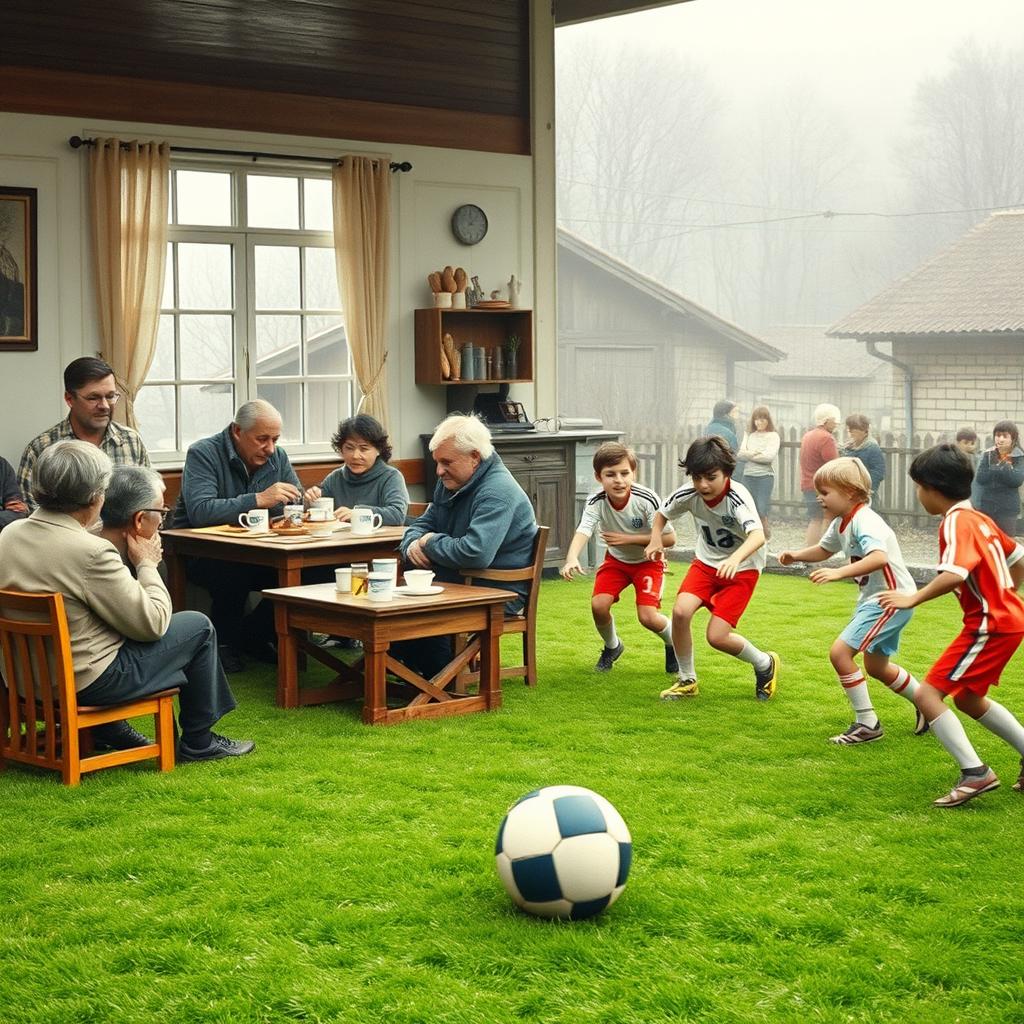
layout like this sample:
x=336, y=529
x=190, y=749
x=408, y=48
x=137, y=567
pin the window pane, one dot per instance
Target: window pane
x=321, y=279
x=326, y=345
x=205, y=409
x=287, y=399
x=167, y=299
x=154, y=410
x=205, y=346
x=277, y=277
x=278, y=346
x=327, y=404
x=162, y=367
x=204, y=197
x=204, y=275
x=272, y=202
x=317, y=204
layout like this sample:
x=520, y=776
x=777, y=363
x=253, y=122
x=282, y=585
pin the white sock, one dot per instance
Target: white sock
x=686, y=669
x=608, y=635
x=752, y=656
x=998, y=720
x=856, y=689
x=948, y=730
x=904, y=684
x=666, y=634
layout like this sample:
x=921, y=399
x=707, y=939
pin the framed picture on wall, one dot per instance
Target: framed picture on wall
x=19, y=295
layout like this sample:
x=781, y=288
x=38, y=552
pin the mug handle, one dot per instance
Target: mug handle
x=377, y=520
x=243, y=520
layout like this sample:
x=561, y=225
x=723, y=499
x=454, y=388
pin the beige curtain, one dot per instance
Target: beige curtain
x=362, y=242
x=129, y=218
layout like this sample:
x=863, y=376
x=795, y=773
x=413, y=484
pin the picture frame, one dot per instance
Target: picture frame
x=19, y=261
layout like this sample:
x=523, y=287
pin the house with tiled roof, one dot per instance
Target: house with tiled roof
x=955, y=327
x=634, y=352
x=814, y=369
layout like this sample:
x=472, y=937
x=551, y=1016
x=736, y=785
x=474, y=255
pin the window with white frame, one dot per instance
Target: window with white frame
x=250, y=309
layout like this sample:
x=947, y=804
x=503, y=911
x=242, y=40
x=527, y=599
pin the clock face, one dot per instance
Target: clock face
x=469, y=224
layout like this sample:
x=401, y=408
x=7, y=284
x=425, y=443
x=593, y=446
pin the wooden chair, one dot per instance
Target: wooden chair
x=415, y=510
x=524, y=623
x=40, y=718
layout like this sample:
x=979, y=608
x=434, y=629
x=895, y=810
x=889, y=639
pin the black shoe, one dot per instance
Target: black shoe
x=764, y=682
x=671, y=663
x=118, y=736
x=609, y=656
x=220, y=746
x=230, y=659
x=260, y=650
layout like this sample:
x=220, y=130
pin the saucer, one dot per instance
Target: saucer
x=404, y=591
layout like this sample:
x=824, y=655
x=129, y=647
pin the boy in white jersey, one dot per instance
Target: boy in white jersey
x=623, y=511
x=876, y=563
x=729, y=559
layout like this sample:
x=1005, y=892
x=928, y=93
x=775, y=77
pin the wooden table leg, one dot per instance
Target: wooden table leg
x=490, y=657
x=375, y=700
x=287, y=660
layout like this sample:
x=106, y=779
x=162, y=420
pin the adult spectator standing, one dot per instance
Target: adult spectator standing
x=817, y=447
x=12, y=505
x=90, y=392
x=724, y=417
x=480, y=518
x=861, y=445
x=125, y=643
x=996, y=490
x=759, y=453
x=232, y=472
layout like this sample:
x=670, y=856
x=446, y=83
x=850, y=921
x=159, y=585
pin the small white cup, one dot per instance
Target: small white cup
x=255, y=521
x=326, y=503
x=319, y=515
x=418, y=581
x=389, y=565
x=293, y=515
x=381, y=586
x=365, y=520
x=322, y=529
x=343, y=579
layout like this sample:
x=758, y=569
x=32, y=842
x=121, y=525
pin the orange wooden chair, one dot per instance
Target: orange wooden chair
x=40, y=718
x=524, y=623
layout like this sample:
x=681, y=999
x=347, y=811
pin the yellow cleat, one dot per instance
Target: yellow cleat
x=681, y=688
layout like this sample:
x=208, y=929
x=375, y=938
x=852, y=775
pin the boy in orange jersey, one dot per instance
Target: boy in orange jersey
x=985, y=567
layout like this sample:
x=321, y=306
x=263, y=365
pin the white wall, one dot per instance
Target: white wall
x=34, y=152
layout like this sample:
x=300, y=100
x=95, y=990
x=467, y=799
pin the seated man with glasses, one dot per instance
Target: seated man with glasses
x=133, y=506
x=91, y=394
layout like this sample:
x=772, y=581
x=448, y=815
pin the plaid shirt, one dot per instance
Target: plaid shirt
x=121, y=443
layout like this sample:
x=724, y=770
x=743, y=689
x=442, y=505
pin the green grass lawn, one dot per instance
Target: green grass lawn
x=346, y=873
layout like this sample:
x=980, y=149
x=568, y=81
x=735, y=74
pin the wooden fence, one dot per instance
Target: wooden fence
x=659, y=456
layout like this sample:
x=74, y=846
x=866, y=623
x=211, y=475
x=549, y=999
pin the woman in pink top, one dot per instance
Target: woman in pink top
x=817, y=447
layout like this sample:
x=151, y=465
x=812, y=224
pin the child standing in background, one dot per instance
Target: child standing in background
x=876, y=563
x=623, y=511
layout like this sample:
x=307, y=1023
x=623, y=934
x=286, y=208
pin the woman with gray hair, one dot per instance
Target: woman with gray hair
x=125, y=642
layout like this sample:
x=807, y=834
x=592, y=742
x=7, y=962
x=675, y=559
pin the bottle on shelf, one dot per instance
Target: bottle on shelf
x=468, y=361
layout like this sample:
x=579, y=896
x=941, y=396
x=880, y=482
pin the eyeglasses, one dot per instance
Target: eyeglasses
x=112, y=399
x=163, y=513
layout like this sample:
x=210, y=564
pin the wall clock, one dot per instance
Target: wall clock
x=469, y=224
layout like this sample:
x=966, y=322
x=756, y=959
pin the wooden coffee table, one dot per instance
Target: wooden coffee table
x=457, y=609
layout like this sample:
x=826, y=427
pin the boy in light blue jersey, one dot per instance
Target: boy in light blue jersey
x=876, y=563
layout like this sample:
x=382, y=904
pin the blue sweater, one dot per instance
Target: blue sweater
x=381, y=487
x=216, y=486
x=725, y=429
x=873, y=458
x=488, y=524
x=996, y=490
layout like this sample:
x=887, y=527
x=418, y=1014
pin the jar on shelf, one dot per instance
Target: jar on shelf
x=469, y=361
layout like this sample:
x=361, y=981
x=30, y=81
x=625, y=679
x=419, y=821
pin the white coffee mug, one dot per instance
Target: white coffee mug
x=418, y=581
x=381, y=586
x=389, y=565
x=255, y=521
x=326, y=503
x=319, y=515
x=293, y=515
x=343, y=579
x=365, y=520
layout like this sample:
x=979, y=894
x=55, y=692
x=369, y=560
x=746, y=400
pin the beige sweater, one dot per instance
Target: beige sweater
x=105, y=604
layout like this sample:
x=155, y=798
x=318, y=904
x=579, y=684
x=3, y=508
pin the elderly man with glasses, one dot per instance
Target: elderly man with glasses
x=125, y=642
x=90, y=394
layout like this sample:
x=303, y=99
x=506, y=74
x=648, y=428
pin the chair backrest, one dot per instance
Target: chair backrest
x=415, y=510
x=38, y=673
x=531, y=572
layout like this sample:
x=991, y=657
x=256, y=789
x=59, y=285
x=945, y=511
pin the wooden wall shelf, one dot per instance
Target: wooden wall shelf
x=487, y=327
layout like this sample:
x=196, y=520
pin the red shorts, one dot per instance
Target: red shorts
x=973, y=662
x=646, y=578
x=728, y=599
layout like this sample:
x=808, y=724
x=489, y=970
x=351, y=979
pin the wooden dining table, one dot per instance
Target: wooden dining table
x=287, y=555
x=457, y=608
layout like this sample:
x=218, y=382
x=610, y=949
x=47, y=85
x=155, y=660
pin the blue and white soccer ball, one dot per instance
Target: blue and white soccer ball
x=563, y=851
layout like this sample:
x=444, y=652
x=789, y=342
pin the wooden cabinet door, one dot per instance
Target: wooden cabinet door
x=552, y=497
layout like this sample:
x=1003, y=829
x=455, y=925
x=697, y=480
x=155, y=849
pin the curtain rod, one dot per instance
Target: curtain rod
x=76, y=142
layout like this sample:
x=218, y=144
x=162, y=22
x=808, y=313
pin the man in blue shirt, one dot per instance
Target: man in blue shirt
x=236, y=471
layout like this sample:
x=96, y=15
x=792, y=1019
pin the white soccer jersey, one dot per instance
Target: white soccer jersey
x=635, y=516
x=721, y=527
x=860, y=534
